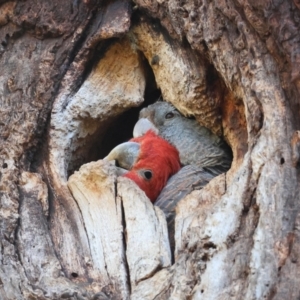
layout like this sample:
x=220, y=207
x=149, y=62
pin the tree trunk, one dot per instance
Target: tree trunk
x=74, y=76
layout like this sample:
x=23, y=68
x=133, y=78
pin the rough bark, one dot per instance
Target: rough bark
x=70, y=71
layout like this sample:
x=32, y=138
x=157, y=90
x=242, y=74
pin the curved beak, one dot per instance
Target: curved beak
x=142, y=126
x=125, y=154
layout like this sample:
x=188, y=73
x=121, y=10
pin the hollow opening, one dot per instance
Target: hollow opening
x=117, y=130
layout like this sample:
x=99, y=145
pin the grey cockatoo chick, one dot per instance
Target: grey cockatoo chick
x=196, y=144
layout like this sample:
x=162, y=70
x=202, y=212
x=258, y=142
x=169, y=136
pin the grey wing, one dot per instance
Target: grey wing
x=188, y=178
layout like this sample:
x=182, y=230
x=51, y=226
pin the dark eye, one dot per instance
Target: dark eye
x=148, y=175
x=169, y=115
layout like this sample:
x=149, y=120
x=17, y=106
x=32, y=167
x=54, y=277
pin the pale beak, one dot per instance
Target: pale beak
x=125, y=154
x=142, y=126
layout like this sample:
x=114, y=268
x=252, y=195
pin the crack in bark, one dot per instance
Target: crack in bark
x=17, y=251
x=154, y=271
x=85, y=230
x=124, y=237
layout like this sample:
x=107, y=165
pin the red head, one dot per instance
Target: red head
x=156, y=162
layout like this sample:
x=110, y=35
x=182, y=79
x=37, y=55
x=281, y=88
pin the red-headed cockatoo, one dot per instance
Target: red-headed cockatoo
x=150, y=160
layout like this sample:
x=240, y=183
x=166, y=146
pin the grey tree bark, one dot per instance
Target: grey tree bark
x=74, y=75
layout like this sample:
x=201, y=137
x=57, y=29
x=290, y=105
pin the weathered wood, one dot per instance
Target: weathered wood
x=147, y=243
x=94, y=189
x=68, y=71
x=105, y=204
x=181, y=76
x=35, y=247
x=33, y=68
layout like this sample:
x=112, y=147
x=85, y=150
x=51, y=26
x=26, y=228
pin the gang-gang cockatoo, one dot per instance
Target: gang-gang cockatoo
x=150, y=160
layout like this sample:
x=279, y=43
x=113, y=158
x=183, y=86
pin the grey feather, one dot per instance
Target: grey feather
x=196, y=144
